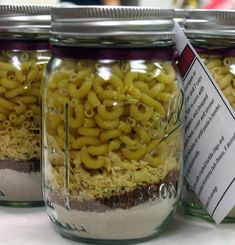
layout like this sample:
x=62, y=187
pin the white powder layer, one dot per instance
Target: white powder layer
x=137, y=222
x=20, y=186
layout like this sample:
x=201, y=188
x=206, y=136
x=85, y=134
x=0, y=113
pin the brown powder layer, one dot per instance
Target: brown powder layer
x=26, y=166
x=126, y=200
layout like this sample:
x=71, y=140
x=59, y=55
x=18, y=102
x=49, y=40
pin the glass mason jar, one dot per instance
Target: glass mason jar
x=112, y=123
x=211, y=32
x=24, y=53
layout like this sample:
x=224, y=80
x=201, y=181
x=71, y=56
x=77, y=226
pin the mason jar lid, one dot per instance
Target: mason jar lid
x=206, y=23
x=181, y=13
x=25, y=19
x=180, y=16
x=114, y=22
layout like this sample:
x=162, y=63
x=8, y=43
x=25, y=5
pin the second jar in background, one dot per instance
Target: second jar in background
x=24, y=53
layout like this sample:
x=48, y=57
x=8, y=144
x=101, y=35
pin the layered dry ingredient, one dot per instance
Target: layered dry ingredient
x=113, y=134
x=222, y=69
x=20, y=79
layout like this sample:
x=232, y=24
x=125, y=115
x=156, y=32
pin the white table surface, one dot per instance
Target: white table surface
x=31, y=226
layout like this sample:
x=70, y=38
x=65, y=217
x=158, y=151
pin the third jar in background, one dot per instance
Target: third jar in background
x=212, y=34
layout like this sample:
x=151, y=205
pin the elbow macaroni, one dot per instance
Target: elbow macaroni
x=222, y=70
x=108, y=111
x=19, y=103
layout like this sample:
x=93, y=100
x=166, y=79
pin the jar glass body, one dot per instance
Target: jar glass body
x=112, y=142
x=218, y=54
x=22, y=63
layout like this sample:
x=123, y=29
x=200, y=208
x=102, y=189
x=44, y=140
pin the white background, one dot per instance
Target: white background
x=29, y=1
x=31, y=226
x=156, y=3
